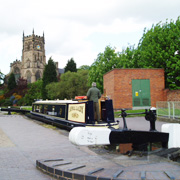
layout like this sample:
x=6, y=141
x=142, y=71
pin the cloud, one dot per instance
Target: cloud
x=10, y=50
x=79, y=29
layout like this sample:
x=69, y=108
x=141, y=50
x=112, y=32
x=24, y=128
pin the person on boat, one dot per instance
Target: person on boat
x=94, y=94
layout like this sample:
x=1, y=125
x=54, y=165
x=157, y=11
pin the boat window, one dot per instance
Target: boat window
x=37, y=108
x=51, y=111
x=61, y=111
x=33, y=107
x=49, y=108
x=45, y=109
x=40, y=108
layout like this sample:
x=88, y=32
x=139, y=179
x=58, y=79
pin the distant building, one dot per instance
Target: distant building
x=33, y=59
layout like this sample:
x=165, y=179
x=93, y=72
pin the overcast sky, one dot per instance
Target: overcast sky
x=78, y=29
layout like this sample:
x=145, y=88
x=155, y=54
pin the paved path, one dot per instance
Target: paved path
x=24, y=141
x=139, y=123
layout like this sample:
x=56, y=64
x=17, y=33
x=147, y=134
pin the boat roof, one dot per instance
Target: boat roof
x=55, y=102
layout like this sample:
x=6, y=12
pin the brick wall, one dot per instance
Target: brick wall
x=118, y=85
x=110, y=84
x=173, y=95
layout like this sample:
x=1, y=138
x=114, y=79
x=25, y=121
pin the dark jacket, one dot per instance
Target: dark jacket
x=93, y=94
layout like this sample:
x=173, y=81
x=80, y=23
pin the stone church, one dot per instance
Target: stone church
x=33, y=59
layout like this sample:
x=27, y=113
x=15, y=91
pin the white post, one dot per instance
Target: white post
x=173, y=110
x=157, y=110
x=169, y=110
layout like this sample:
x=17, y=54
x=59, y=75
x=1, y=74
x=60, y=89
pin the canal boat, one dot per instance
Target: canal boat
x=74, y=113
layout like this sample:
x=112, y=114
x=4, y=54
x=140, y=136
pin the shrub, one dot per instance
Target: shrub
x=2, y=97
x=2, y=102
x=7, y=102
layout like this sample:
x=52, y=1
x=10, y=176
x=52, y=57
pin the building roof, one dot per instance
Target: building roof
x=61, y=71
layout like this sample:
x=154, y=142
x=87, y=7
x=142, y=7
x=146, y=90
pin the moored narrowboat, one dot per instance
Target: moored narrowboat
x=74, y=113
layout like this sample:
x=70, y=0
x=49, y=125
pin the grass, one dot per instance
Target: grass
x=49, y=126
x=28, y=108
x=165, y=112
x=118, y=113
x=24, y=107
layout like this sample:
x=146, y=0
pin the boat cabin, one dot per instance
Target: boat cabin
x=77, y=111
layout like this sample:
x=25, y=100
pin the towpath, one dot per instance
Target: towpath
x=25, y=144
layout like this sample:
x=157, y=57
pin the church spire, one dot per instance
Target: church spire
x=43, y=38
x=33, y=31
x=23, y=35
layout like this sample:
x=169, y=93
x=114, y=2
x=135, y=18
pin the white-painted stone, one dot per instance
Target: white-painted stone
x=174, y=133
x=89, y=136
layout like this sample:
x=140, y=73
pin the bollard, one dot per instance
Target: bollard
x=9, y=112
x=124, y=114
x=151, y=117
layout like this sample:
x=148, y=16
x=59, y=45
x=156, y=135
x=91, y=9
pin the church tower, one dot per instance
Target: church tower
x=33, y=57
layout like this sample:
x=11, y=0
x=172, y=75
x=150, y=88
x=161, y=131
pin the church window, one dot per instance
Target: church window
x=17, y=73
x=38, y=76
x=38, y=64
x=28, y=64
x=16, y=70
x=28, y=48
x=28, y=77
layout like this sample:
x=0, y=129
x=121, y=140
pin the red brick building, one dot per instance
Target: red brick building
x=135, y=88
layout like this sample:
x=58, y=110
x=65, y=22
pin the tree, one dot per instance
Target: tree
x=49, y=75
x=72, y=84
x=11, y=82
x=84, y=67
x=70, y=66
x=127, y=58
x=157, y=49
x=33, y=93
x=104, y=63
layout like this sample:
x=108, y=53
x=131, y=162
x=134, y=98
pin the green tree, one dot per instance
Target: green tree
x=70, y=66
x=157, y=49
x=33, y=93
x=104, y=63
x=84, y=67
x=128, y=58
x=49, y=75
x=72, y=84
x=11, y=82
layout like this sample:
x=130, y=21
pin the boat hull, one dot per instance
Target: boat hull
x=69, y=114
x=66, y=124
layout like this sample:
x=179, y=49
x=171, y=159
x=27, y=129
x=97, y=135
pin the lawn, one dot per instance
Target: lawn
x=165, y=112
x=117, y=113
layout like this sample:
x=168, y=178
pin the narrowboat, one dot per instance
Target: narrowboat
x=74, y=113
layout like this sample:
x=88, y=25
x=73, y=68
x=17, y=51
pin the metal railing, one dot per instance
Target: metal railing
x=168, y=109
x=23, y=107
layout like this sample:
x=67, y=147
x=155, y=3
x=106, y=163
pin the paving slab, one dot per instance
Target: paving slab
x=27, y=147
